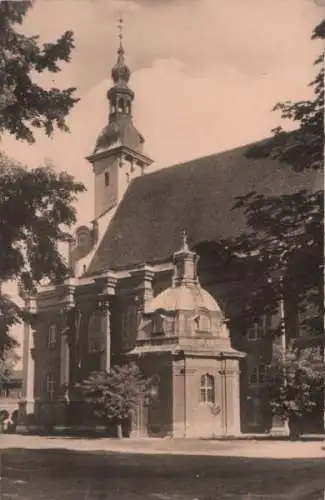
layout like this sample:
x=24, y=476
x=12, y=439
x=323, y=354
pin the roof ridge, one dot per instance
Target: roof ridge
x=199, y=196
x=242, y=147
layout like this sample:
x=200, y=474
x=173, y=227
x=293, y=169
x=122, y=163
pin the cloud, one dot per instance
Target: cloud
x=253, y=36
x=181, y=116
x=206, y=73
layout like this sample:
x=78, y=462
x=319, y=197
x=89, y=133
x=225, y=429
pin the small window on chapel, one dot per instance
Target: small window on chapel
x=207, y=389
x=158, y=326
x=106, y=178
x=202, y=324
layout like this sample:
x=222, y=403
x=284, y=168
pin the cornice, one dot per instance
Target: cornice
x=120, y=150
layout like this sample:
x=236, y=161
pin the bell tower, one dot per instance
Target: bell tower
x=118, y=156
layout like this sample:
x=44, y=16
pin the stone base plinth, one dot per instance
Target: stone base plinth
x=279, y=427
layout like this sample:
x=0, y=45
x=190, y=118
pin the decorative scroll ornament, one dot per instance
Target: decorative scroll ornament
x=215, y=409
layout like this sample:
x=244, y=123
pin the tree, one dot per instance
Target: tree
x=24, y=105
x=36, y=213
x=7, y=366
x=114, y=396
x=36, y=205
x=282, y=250
x=295, y=380
x=282, y=257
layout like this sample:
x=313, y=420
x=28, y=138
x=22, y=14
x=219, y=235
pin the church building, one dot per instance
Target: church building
x=140, y=290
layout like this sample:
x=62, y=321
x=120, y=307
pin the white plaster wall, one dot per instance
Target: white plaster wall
x=106, y=197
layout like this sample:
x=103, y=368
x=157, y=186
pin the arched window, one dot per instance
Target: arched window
x=168, y=326
x=158, y=325
x=207, y=389
x=106, y=178
x=52, y=337
x=96, y=332
x=202, y=323
x=129, y=324
x=50, y=386
x=120, y=105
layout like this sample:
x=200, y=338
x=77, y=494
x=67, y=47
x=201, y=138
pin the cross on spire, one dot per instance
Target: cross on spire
x=185, y=263
x=120, y=28
x=184, y=240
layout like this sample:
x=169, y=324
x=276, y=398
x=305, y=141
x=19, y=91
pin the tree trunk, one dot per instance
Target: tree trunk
x=119, y=430
x=295, y=427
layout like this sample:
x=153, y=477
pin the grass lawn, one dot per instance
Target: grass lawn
x=64, y=474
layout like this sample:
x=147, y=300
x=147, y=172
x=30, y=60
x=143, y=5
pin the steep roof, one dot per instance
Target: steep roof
x=197, y=196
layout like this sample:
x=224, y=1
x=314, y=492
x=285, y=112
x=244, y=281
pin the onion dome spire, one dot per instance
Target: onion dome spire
x=120, y=71
x=120, y=130
x=120, y=96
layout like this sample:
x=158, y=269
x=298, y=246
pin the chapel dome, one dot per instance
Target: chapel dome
x=186, y=293
x=184, y=298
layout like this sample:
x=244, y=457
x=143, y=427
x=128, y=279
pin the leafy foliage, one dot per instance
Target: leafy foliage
x=36, y=206
x=115, y=395
x=295, y=378
x=281, y=253
x=36, y=212
x=7, y=366
x=24, y=104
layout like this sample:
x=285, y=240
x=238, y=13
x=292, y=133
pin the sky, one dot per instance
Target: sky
x=206, y=74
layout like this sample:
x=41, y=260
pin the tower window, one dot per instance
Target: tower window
x=207, y=389
x=106, y=178
x=120, y=106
